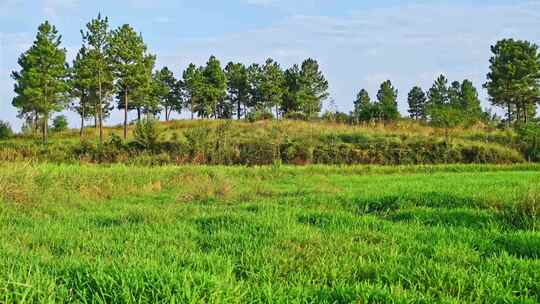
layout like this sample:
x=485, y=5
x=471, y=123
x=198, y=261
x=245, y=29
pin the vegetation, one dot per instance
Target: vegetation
x=426, y=229
x=60, y=123
x=5, y=130
x=116, y=64
x=41, y=84
x=274, y=234
x=285, y=141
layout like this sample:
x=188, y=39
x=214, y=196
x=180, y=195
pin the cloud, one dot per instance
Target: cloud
x=52, y=8
x=408, y=44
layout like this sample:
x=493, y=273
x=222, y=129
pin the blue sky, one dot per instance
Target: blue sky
x=359, y=43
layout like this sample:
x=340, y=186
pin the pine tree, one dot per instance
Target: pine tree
x=193, y=84
x=417, y=103
x=237, y=86
x=272, y=86
x=362, y=106
x=81, y=86
x=291, y=102
x=454, y=94
x=470, y=102
x=167, y=92
x=514, y=78
x=132, y=67
x=96, y=40
x=387, y=102
x=215, y=88
x=313, y=88
x=255, y=80
x=439, y=92
x=41, y=85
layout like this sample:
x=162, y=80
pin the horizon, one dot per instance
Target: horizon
x=359, y=45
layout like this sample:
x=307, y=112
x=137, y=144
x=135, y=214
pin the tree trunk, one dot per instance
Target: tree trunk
x=509, y=114
x=45, y=128
x=100, y=115
x=35, y=128
x=166, y=114
x=138, y=114
x=239, y=110
x=82, y=120
x=525, y=112
x=125, y=113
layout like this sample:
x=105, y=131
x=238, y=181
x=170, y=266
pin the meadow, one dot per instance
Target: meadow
x=274, y=234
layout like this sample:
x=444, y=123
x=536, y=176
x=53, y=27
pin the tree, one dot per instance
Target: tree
x=362, y=107
x=255, y=80
x=387, y=102
x=41, y=85
x=80, y=83
x=313, y=87
x=454, y=94
x=469, y=100
x=272, y=86
x=132, y=66
x=446, y=117
x=417, y=100
x=514, y=78
x=214, y=88
x=60, y=123
x=439, y=92
x=96, y=40
x=166, y=90
x=5, y=130
x=291, y=102
x=193, y=84
x=237, y=86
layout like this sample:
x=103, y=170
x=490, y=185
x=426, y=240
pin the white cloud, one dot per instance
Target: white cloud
x=408, y=44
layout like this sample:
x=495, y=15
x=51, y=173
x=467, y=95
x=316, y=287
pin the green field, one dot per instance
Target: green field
x=315, y=234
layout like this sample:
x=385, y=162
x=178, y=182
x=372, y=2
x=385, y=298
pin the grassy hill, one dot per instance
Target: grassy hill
x=268, y=142
x=315, y=234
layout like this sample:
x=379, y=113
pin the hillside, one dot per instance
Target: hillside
x=268, y=142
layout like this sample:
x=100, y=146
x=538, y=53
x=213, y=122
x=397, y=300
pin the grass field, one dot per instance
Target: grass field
x=315, y=234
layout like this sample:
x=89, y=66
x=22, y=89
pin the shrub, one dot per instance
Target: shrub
x=5, y=130
x=529, y=136
x=147, y=133
x=296, y=116
x=60, y=123
x=260, y=115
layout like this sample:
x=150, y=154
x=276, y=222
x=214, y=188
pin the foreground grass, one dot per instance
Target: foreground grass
x=96, y=234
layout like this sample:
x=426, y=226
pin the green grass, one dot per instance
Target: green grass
x=316, y=234
x=219, y=142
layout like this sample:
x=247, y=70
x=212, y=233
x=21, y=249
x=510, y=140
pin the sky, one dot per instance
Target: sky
x=358, y=43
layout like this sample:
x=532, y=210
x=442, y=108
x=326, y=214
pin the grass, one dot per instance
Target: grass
x=315, y=234
x=266, y=142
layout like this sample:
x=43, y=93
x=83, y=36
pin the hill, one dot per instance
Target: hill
x=268, y=142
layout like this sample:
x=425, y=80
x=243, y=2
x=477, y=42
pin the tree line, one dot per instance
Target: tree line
x=114, y=69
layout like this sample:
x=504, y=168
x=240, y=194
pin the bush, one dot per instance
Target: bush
x=147, y=133
x=60, y=123
x=260, y=115
x=529, y=136
x=5, y=130
x=296, y=116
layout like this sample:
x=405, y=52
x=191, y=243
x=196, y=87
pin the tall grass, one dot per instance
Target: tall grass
x=269, y=142
x=277, y=234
